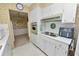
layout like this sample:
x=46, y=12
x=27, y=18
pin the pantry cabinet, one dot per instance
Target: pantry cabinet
x=46, y=46
x=52, y=47
x=34, y=15
x=69, y=13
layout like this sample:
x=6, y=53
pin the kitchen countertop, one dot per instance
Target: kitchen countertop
x=59, y=38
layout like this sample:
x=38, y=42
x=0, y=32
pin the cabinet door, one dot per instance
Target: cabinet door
x=69, y=13
x=41, y=42
x=60, y=52
x=34, y=38
x=61, y=49
x=56, y=9
x=50, y=47
x=34, y=15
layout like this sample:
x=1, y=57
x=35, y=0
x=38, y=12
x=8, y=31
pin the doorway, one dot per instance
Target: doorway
x=20, y=27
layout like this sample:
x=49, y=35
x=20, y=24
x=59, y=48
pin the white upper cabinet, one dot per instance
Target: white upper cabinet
x=69, y=13
x=52, y=10
x=56, y=9
x=34, y=15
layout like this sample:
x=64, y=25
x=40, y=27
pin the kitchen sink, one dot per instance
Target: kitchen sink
x=47, y=33
x=50, y=34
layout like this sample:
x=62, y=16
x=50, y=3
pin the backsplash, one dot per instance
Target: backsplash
x=47, y=28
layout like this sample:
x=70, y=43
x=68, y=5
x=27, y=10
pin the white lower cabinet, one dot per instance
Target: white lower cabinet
x=41, y=44
x=61, y=49
x=52, y=47
x=34, y=38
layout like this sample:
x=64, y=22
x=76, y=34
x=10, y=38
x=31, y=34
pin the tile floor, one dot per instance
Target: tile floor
x=27, y=49
x=21, y=40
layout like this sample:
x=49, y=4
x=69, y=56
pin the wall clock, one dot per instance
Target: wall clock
x=53, y=25
x=19, y=6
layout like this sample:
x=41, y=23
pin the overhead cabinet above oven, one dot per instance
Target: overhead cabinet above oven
x=68, y=11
